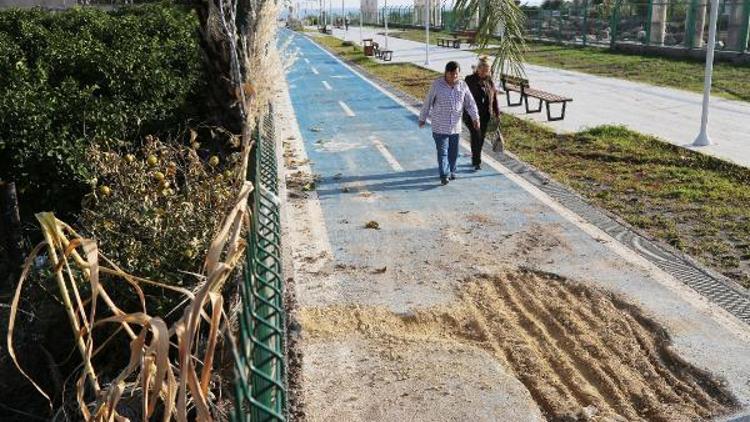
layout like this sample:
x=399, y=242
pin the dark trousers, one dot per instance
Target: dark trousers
x=477, y=138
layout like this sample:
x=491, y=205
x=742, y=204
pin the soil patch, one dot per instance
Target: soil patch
x=583, y=354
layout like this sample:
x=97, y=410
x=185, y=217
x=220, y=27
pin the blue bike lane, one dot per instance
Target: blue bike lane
x=374, y=163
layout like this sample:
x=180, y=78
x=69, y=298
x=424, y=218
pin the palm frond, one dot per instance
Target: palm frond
x=494, y=14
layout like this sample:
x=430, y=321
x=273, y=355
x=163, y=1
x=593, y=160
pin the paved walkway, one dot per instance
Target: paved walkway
x=408, y=321
x=670, y=114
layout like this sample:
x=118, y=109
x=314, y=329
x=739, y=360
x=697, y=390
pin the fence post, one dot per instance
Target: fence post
x=614, y=20
x=541, y=23
x=690, y=24
x=649, y=16
x=737, y=31
x=745, y=34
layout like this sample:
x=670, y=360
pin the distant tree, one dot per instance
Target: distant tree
x=552, y=4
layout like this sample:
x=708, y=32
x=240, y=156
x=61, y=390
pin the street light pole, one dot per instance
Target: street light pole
x=427, y=34
x=361, y=17
x=343, y=17
x=385, y=18
x=703, y=139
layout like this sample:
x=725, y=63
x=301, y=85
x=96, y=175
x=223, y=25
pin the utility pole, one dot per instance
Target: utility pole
x=703, y=139
x=427, y=33
x=361, y=17
x=385, y=19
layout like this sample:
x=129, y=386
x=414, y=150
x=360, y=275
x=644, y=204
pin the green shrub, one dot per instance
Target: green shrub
x=155, y=209
x=86, y=77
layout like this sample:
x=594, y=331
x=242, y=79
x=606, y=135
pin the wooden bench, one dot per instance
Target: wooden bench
x=385, y=55
x=449, y=42
x=468, y=36
x=520, y=85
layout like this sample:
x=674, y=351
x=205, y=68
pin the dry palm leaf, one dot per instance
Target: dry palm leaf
x=178, y=384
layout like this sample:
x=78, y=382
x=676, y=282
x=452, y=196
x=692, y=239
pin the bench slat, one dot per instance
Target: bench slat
x=546, y=96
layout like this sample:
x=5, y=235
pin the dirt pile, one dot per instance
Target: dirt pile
x=582, y=353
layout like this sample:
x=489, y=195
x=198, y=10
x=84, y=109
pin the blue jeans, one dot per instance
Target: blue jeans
x=447, y=152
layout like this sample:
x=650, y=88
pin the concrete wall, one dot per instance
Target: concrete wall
x=682, y=53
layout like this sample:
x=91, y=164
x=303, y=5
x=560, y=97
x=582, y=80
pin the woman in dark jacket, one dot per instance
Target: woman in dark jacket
x=485, y=95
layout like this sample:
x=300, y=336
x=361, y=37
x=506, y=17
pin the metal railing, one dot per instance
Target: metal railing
x=668, y=23
x=260, y=384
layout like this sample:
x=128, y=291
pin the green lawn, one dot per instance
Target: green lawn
x=729, y=81
x=696, y=203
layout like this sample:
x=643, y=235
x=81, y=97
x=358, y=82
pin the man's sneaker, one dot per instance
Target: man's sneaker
x=444, y=180
x=453, y=176
x=477, y=167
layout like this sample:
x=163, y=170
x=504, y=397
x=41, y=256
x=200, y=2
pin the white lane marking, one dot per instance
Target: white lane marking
x=314, y=70
x=328, y=87
x=694, y=298
x=341, y=76
x=386, y=154
x=346, y=109
x=306, y=60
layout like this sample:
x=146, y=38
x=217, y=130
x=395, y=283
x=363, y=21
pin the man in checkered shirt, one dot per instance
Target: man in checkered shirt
x=445, y=104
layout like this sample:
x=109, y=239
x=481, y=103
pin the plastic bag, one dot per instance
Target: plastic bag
x=498, y=142
x=493, y=125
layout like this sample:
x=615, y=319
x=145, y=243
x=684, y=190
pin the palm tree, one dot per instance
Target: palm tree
x=505, y=17
x=219, y=36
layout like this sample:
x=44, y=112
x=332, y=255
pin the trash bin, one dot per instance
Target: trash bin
x=368, y=47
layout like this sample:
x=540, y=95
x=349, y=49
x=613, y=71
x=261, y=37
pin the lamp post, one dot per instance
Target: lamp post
x=427, y=34
x=703, y=139
x=385, y=19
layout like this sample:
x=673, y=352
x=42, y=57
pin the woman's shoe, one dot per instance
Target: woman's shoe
x=444, y=180
x=453, y=176
x=477, y=167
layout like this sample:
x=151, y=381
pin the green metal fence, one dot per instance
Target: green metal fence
x=442, y=18
x=260, y=392
x=669, y=23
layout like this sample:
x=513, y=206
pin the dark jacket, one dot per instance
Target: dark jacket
x=481, y=91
